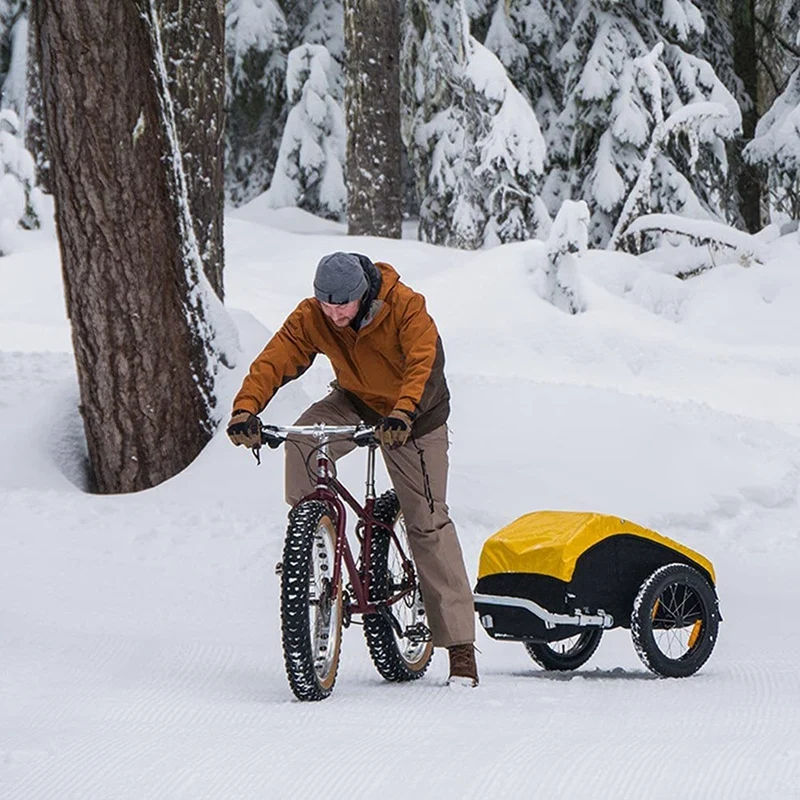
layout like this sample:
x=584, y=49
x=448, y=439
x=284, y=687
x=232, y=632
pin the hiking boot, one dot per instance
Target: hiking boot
x=463, y=669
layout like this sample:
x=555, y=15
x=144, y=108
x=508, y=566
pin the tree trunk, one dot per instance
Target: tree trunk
x=372, y=109
x=133, y=287
x=194, y=44
x=746, y=66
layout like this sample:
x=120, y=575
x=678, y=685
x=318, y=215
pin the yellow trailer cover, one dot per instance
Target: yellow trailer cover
x=550, y=542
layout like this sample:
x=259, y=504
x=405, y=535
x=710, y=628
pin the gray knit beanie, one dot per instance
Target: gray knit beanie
x=339, y=279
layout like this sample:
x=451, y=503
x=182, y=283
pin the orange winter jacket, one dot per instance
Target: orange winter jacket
x=395, y=360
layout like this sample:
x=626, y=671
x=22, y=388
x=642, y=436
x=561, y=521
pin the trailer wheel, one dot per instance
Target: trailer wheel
x=675, y=621
x=565, y=654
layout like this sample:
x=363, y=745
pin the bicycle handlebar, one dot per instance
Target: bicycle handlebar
x=275, y=435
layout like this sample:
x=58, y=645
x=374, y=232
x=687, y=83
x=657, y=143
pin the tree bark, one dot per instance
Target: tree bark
x=372, y=110
x=746, y=66
x=144, y=363
x=194, y=44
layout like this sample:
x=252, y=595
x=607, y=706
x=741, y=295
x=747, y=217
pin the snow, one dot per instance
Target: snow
x=140, y=633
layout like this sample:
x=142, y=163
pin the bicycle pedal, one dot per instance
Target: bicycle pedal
x=418, y=633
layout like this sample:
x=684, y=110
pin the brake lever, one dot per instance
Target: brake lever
x=364, y=437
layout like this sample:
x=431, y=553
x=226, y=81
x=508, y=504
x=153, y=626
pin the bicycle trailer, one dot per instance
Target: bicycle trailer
x=555, y=580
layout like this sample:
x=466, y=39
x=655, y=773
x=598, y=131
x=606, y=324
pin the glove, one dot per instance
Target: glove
x=244, y=428
x=394, y=430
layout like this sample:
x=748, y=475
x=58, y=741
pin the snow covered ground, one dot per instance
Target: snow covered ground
x=139, y=637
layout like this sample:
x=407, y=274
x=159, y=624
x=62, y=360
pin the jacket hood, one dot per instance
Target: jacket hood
x=389, y=278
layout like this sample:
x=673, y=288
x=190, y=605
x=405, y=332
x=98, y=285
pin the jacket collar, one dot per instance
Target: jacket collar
x=377, y=309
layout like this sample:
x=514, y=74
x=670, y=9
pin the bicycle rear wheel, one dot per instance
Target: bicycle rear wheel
x=311, y=616
x=402, y=655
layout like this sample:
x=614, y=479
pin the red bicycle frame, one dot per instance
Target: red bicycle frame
x=334, y=494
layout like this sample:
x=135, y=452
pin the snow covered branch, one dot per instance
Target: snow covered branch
x=701, y=232
x=685, y=119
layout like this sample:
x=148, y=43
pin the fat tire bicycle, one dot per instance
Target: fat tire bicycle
x=325, y=582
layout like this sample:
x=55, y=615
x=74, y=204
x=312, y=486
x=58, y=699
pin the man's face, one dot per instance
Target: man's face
x=340, y=315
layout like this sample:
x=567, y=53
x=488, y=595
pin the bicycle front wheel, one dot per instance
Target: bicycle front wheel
x=311, y=606
x=401, y=651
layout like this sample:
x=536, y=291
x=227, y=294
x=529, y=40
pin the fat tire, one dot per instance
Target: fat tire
x=378, y=631
x=549, y=659
x=642, y=621
x=304, y=521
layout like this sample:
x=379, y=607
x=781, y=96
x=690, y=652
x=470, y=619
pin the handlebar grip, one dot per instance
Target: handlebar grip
x=271, y=437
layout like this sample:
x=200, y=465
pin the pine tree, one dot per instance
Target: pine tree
x=612, y=106
x=776, y=146
x=527, y=35
x=256, y=47
x=309, y=173
x=717, y=47
x=473, y=141
x=319, y=22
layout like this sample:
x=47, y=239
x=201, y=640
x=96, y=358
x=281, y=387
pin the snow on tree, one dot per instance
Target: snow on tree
x=615, y=100
x=317, y=22
x=556, y=275
x=777, y=147
x=18, y=195
x=434, y=121
x=473, y=141
x=20, y=87
x=717, y=47
x=526, y=35
x=14, y=57
x=510, y=153
x=655, y=168
x=195, y=66
x=714, y=237
x=256, y=44
x=310, y=169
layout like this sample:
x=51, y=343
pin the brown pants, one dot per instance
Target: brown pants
x=432, y=536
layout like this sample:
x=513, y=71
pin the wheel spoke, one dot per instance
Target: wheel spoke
x=677, y=604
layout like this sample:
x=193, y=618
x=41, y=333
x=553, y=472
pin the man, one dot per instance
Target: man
x=388, y=360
